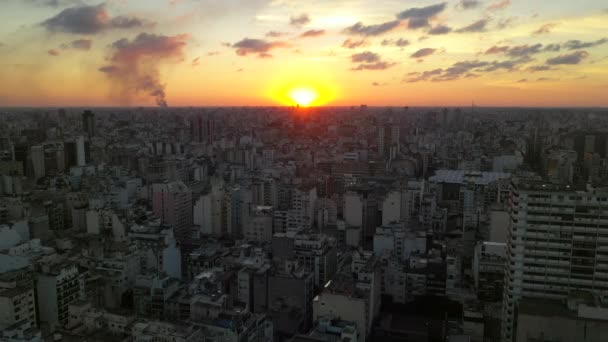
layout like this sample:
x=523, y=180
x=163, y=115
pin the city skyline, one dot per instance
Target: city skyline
x=281, y=52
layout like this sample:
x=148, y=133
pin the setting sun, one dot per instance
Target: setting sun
x=303, y=96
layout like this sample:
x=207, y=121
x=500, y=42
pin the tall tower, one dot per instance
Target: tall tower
x=172, y=203
x=557, y=245
x=388, y=140
x=88, y=123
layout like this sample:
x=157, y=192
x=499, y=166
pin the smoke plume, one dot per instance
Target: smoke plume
x=135, y=64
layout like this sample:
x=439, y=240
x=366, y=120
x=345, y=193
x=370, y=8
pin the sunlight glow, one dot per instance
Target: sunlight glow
x=303, y=97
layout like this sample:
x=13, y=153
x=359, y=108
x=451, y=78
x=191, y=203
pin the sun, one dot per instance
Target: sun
x=303, y=97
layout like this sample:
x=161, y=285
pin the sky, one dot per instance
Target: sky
x=260, y=52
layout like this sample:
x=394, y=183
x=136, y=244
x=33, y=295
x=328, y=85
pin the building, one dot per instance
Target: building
x=489, y=270
x=17, y=299
x=581, y=317
x=88, y=123
x=172, y=203
x=259, y=226
x=58, y=285
x=558, y=243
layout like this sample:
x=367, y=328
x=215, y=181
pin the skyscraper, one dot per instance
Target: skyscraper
x=172, y=203
x=558, y=245
x=88, y=123
x=388, y=140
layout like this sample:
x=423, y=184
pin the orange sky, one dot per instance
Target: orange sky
x=255, y=52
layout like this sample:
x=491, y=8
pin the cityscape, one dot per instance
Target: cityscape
x=290, y=171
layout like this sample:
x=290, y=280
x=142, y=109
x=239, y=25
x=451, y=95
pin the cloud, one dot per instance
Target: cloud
x=82, y=44
x=572, y=58
x=577, y=44
x=499, y=5
x=371, y=30
x=468, y=69
x=299, y=20
x=260, y=47
x=365, y=57
x=545, y=28
x=423, y=53
x=109, y=69
x=53, y=52
x=53, y=3
x=312, y=33
x=524, y=50
x=135, y=63
x=496, y=50
x=88, y=20
x=373, y=66
x=353, y=44
x=478, y=26
x=425, y=75
x=552, y=47
x=523, y=80
x=505, y=22
x=538, y=68
x=275, y=34
x=419, y=16
x=440, y=29
x=196, y=61
x=399, y=42
x=469, y=4
x=369, y=61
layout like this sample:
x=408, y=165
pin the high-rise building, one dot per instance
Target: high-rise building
x=172, y=203
x=80, y=152
x=88, y=123
x=388, y=141
x=557, y=245
x=201, y=128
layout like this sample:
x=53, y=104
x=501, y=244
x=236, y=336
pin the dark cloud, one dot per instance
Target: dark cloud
x=469, y=4
x=459, y=69
x=312, y=33
x=299, y=20
x=353, y=44
x=552, y=47
x=82, y=44
x=478, y=26
x=499, y=5
x=468, y=69
x=545, y=28
x=572, y=58
x=507, y=65
x=196, y=61
x=53, y=52
x=423, y=53
x=440, y=29
x=371, y=30
x=425, y=75
x=505, y=22
x=538, y=68
x=53, y=3
x=399, y=42
x=496, y=50
x=88, y=20
x=419, y=16
x=275, y=34
x=257, y=46
x=109, y=69
x=365, y=57
x=523, y=80
x=577, y=44
x=524, y=50
x=369, y=61
x=373, y=66
x=135, y=63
